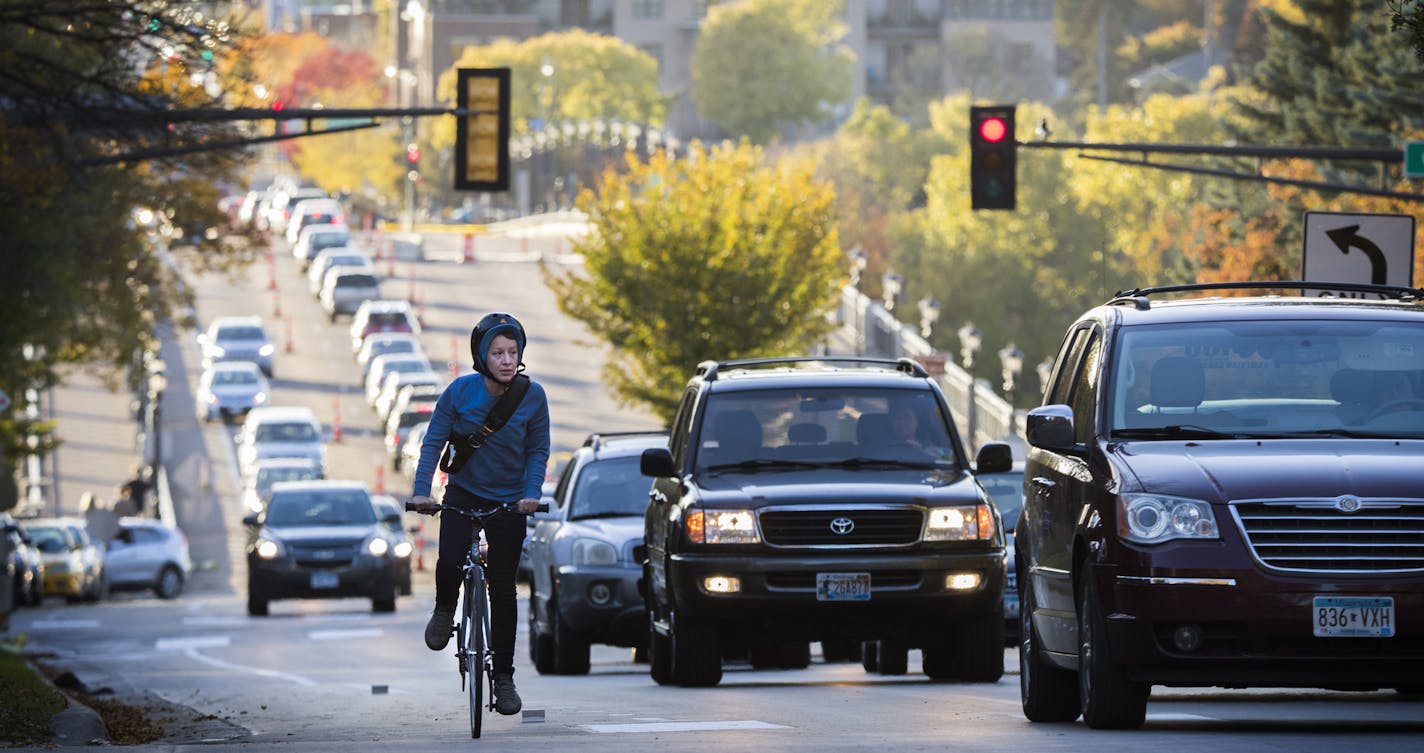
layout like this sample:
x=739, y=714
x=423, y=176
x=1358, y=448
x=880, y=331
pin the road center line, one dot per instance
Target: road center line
x=336, y=635
x=189, y=643
x=298, y=679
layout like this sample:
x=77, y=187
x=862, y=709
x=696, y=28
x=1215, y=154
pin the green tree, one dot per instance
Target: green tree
x=87, y=281
x=714, y=256
x=761, y=65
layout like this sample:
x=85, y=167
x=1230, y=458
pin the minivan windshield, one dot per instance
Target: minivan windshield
x=849, y=427
x=1207, y=380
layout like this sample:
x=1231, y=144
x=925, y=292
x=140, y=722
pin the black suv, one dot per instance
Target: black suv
x=805, y=499
x=1225, y=492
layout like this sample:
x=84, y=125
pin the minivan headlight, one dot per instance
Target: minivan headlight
x=721, y=527
x=1155, y=518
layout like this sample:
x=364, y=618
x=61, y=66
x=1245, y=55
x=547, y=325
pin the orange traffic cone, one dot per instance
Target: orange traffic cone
x=469, y=248
x=381, y=479
x=336, y=419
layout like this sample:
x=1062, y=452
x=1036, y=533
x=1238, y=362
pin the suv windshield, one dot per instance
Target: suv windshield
x=1268, y=378
x=814, y=427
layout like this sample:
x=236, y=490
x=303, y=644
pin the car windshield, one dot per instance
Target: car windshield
x=297, y=431
x=1283, y=378
x=48, y=540
x=234, y=377
x=355, y=281
x=607, y=488
x=320, y=508
x=240, y=333
x=1007, y=491
x=386, y=318
x=852, y=427
x=266, y=477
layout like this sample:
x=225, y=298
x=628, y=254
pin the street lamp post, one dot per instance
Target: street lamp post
x=970, y=340
x=157, y=383
x=1012, y=360
x=891, y=285
x=929, y=315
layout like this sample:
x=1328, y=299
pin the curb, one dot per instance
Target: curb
x=77, y=725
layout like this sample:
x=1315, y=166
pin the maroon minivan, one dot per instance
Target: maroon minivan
x=1225, y=492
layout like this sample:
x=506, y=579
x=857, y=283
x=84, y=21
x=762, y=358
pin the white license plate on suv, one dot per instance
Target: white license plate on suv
x=325, y=580
x=1354, y=617
x=842, y=586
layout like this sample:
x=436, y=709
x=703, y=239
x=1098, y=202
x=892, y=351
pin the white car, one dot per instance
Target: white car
x=281, y=432
x=383, y=365
x=284, y=201
x=313, y=239
x=330, y=258
x=383, y=315
x=237, y=338
x=231, y=388
x=260, y=478
x=148, y=554
x=344, y=289
x=392, y=384
x=385, y=343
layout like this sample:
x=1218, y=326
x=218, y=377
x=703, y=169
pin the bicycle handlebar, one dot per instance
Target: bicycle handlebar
x=475, y=514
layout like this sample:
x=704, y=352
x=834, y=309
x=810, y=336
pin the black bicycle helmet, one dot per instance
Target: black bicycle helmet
x=483, y=334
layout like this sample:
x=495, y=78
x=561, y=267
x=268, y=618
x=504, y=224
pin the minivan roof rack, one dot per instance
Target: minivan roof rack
x=1139, y=297
x=598, y=438
x=708, y=369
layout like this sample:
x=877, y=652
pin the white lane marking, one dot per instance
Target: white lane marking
x=216, y=621
x=1180, y=718
x=682, y=727
x=298, y=679
x=189, y=643
x=337, y=635
x=63, y=624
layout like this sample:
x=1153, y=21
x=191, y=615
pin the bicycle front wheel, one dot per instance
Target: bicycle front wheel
x=475, y=647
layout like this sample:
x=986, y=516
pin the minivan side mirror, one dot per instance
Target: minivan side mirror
x=656, y=462
x=994, y=457
x=1051, y=427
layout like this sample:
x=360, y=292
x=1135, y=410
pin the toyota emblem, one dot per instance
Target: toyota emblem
x=842, y=526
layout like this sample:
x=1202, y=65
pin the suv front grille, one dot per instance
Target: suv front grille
x=827, y=526
x=1318, y=535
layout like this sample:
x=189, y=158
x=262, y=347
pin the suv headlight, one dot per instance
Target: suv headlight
x=268, y=549
x=594, y=552
x=965, y=523
x=721, y=527
x=266, y=350
x=1155, y=518
x=377, y=546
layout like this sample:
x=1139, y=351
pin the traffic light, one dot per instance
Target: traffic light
x=412, y=155
x=482, y=131
x=993, y=159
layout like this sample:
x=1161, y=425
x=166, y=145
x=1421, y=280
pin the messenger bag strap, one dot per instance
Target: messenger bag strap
x=462, y=447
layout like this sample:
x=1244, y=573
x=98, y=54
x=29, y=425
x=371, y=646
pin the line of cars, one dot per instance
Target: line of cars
x=58, y=557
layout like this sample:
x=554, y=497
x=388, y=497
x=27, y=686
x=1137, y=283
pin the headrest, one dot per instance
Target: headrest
x=806, y=433
x=1177, y=382
x=872, y=428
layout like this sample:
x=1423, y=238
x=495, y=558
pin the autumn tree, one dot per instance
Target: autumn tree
x=715, y=256
x=762, y=65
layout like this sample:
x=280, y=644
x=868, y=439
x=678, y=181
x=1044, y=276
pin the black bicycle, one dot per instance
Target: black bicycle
x=472, y=651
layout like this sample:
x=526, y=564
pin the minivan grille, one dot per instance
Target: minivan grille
x=324, y=555
x=1344, y=535
x=827, y=526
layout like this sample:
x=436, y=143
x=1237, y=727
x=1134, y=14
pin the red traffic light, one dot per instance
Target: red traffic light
x=412, y=154
x=993, y=130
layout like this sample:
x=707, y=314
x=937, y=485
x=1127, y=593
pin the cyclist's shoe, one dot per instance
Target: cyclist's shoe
x=506, y=698
x=441, y=625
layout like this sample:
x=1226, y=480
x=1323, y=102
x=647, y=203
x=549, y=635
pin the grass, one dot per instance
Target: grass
x=29, y=700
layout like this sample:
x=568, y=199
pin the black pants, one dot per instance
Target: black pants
x=504, y=533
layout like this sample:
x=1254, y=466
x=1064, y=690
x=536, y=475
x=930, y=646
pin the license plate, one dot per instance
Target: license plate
x=325, y=580
x=842, y=586
x=1354, y=617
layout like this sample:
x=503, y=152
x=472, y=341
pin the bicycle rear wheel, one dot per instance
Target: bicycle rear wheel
x=474, y=647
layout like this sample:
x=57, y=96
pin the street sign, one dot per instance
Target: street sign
x=1414, y=159
x=1370, y=248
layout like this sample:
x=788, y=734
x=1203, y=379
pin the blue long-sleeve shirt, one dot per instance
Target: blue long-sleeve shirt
x=511, y=464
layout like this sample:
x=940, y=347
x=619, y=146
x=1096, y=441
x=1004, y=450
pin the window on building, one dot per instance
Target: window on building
x=647, y=8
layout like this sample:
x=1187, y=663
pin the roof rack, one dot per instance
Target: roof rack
x=596, y=439
x=708, y=369
x=1139, y=297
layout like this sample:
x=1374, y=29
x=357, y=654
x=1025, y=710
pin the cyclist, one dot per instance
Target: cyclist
x=508, y=468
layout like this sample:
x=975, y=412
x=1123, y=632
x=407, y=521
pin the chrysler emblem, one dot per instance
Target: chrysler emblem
x=1347, y=503
x=842, y=526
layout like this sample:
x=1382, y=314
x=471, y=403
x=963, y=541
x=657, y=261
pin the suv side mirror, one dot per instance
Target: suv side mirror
x=656, y=462
x=1051, y=427
x=994, y=457
x=250, y=519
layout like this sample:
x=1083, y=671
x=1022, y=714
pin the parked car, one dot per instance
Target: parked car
x=383, y=315
x=344, y=289
x=148, y=554
x=398, y=426
x=264, y=473
x=311, y=213
x=1007, y=489
x=583, y=555
x=73, y=563
x=319, y=540
x=392, y=516
x=329, y=257
x=231, y=388
x=819, y=499
x=280, y=432
x=313, y=239
x=1224, y=491
x=26, y=566
x=397, y=362
x=236, y=338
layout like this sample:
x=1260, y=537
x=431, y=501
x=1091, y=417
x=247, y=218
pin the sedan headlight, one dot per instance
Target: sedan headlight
x=594, y=552
x=377, y=546
x=266, y=350
x=259, y=398
x=1155, y=518
x=965, y=523
x=721, y=527
x=268, y=549
x=402, y=549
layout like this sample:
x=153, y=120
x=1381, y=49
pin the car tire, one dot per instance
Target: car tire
x=977, y=653
x=1047, y=693
x=169, y=583
x=870, y=656
x=659, y=654
x=938, y=661
x=256, y=601
x=541, y=646
x=384, y=604
x=1108, y=698
x=696, y=652
x=570, y=646
x=894, y=657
